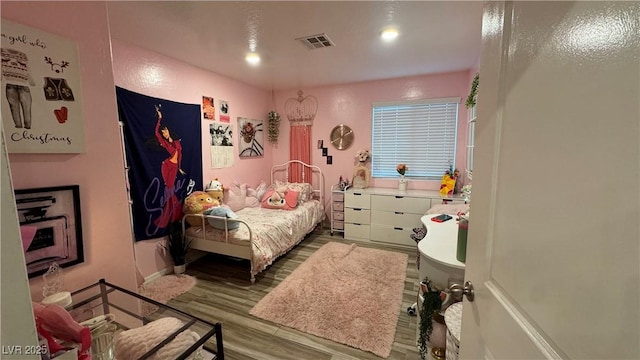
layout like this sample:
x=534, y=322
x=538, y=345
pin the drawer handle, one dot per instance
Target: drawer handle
x=398, y=228
x=355, y=209
x=357, y=194
x=398, y=212
x=357, y=224
x=399, y=197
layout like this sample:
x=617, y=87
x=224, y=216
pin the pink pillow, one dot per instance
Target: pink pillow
x=236, y=197
x=275, y=200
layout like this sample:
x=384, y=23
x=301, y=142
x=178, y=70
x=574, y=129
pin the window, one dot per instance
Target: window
x=421, y=134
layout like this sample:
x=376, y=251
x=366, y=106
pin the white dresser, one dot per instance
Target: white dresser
x=387, y=215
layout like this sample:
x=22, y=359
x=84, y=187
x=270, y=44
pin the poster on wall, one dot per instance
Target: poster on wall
x=224, y=112
x=251, y=137
x=163, y=148
x=221, y=145
x=208, y=108
x=41, y=91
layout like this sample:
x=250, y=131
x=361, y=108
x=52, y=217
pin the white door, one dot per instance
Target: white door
x=553, y=247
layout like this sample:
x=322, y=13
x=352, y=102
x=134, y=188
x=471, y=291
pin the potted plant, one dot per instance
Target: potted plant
x=177, y=247
x=428, y=314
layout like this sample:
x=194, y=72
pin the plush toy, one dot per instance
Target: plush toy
x=280, y=199
x=361, y=173
x=448, y=184
x=222, y=212
x=196, y=203
x=215, y=189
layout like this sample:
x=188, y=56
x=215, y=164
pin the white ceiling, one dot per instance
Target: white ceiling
x=216, y=35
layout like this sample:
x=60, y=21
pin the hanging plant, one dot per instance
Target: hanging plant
x=471, y=99
x=273, y=126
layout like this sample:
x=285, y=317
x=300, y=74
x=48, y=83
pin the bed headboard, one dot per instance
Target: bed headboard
x=282, y=172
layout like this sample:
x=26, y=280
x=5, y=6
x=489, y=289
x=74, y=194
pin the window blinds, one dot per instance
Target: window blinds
x=421, y=134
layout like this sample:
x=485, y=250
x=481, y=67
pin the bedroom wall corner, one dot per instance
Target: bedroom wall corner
x=108, y=250
x=160, y=76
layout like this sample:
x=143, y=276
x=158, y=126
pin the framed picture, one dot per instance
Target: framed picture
x=325, y=151
x=251, y=137
x=51, y=227
x=45, y=114
x=320, y=144
x=329, y=160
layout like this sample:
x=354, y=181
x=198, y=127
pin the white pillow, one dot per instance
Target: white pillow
x=305, y=190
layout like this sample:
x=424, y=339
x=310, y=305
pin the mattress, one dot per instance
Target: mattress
x=274, y=231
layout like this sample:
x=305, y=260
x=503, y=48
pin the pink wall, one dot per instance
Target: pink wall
x=99, y=171
x=350, y=104
x=159, y=76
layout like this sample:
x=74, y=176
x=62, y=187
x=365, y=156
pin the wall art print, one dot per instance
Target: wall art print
x=41, y=91
x=251, y=138
x=224, y=111
x=208, y=108
x=51, y=227
x=221, y=145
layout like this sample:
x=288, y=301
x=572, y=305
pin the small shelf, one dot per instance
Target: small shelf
x=337, y=209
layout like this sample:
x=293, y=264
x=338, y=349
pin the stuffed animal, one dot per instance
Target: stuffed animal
x=196, y=203
x=280, y=199
x=361, y=173
x=215, y=189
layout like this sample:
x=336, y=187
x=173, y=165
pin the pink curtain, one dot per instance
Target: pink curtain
x=300, y=149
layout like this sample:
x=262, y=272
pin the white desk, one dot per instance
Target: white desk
x=438, y=252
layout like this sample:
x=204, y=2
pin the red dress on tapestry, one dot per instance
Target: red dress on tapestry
x=172, y=210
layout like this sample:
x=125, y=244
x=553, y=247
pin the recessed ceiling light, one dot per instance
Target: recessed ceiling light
x=252, y=58
x=389, y=34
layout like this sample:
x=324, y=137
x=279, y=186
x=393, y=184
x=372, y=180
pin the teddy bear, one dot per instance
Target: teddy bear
x=215, y=189
x=361, y=173
x=196, y=203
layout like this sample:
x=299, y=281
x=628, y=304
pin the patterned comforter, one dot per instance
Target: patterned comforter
x=274, y=232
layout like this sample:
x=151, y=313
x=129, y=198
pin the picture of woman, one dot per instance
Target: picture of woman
x=172, y=210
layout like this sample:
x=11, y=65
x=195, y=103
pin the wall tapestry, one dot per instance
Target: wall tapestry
x=221, y=145
x=251, y=137
x=163, y=146
x=41, y=91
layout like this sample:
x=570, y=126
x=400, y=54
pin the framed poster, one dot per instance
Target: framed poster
x=51, y=227
x=41, y=91
x=251, y=137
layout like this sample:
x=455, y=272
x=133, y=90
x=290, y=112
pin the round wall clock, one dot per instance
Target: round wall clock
x=341, y=137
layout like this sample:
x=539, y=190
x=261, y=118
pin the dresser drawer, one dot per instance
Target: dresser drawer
x=395, y=219
x=338, y=216
x=404, y=204
x=357, y=216
x=338, y=225
x=392, y=235
x=358, y=200
x=338, y=196
x=356, y=231
x=337, y=206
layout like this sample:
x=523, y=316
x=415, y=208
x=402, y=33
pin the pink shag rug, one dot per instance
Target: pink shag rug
x=164, y=289
x=345, y=293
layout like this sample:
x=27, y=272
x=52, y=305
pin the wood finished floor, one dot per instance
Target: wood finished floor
x=224, y=294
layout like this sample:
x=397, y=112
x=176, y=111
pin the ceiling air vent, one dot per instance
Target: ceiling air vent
x=316, y=41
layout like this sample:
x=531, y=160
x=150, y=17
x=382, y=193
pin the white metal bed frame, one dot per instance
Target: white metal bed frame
x=245, y=251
